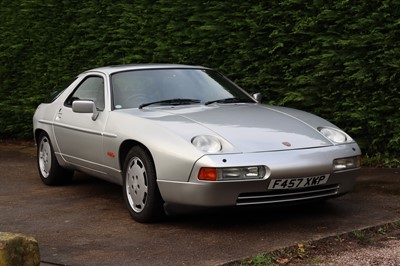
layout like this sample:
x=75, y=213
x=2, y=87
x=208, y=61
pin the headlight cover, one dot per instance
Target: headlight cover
x=233, y=173
x=347, y=163
x=335, y=135
x=207, y=143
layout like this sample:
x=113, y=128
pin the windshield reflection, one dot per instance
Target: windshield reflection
x=132, y=89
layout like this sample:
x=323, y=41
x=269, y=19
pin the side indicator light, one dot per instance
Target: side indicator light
x=111, y=154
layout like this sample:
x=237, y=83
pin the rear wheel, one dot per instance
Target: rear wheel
x=140, y=189
x=51, y=173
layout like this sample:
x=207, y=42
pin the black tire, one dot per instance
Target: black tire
x=50, y=172
x=141, y=193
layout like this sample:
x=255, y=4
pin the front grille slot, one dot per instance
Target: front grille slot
x=282, y=196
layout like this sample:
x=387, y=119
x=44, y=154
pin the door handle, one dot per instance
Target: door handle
x=59, y=114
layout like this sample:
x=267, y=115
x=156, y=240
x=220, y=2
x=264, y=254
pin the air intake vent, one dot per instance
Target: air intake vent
x=283, y=196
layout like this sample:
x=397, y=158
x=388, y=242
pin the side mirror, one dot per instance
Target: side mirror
x=85, y=107
x=258, y=97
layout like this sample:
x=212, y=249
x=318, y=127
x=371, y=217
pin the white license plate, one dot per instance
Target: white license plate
x=298, y=182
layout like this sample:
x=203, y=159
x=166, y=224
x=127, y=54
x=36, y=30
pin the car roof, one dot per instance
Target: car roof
x=121, y=68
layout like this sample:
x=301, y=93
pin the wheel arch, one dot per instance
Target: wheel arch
x=37, y=133
x=54, y=173
x=124, y=148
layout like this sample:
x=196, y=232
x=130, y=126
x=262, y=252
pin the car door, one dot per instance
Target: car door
x=78, y=136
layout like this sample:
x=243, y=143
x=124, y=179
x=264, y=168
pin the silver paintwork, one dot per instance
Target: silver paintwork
x=250, y=133
x=85, y=107
x=281, y=164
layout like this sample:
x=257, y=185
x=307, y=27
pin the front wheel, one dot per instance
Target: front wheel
x=51, y=173
x=140, y=189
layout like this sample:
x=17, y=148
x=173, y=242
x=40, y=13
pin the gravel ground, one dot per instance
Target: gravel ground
x=377, y=246
x=386, y=254
x=374, y=246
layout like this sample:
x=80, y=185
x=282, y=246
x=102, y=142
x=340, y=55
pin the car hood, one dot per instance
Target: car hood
x=247, y=127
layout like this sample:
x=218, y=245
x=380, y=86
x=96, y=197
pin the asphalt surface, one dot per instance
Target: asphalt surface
x=86, y=223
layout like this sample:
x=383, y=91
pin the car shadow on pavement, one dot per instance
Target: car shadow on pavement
x=178, y=215
x=249, y=215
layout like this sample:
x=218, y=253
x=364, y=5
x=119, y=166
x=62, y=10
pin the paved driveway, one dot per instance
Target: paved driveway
x=86, y=223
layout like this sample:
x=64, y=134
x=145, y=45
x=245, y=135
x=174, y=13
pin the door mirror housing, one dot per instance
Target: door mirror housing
x=85, y=107
x=258, y=97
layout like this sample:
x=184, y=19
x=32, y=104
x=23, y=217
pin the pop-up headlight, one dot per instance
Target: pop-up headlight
x=207, y=143
x=335, y=135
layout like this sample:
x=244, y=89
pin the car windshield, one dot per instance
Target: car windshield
x=139, y=88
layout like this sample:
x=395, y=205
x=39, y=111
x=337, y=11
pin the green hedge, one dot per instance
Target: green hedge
x=338, y=59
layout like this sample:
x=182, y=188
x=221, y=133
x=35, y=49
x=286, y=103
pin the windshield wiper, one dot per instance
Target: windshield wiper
x=177, y=101
x=230, y=100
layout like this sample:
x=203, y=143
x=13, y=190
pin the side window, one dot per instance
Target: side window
x=92, y=88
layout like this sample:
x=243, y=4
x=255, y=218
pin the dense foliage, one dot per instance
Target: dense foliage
x=338, y=59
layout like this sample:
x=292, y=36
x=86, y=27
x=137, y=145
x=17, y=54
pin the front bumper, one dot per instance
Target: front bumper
x=281, y=164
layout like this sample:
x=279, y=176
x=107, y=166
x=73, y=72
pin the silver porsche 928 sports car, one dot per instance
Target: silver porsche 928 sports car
x=188, y=135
